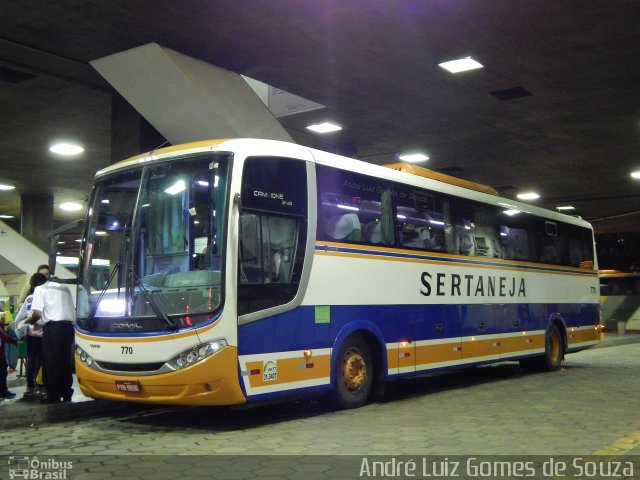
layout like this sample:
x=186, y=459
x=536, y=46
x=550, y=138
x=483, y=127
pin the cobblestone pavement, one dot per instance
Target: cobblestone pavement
x=590, y=407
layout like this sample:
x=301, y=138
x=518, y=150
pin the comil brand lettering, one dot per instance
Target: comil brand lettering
x=469, y=285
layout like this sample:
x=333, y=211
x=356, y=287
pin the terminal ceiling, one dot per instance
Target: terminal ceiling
x=555, y=109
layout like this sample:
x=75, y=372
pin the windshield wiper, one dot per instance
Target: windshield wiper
x=94, y=309
x=149, y=298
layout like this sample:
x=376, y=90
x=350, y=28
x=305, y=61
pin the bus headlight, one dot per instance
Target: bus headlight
x=83, y=356
x=196, y=354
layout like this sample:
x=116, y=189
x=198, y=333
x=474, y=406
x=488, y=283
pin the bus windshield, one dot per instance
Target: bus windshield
x=153, y=248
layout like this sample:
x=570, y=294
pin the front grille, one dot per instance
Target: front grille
x=130, y=367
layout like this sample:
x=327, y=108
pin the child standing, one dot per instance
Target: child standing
x=5, y=339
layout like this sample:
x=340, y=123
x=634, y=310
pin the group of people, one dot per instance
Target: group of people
x=45, y=318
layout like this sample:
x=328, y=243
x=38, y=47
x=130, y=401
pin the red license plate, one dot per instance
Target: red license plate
x=128, y=386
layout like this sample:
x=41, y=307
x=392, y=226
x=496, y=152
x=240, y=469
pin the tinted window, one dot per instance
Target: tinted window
x=354, y=208
x=475, y=229
x=422, y=219
x=273, y=232
x=580, y=243
x=550, y=242
x=272, y=184
x=515, y=233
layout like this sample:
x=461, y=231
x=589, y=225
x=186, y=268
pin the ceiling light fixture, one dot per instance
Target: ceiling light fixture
x=6, y=187
x=528, y=196
x=70, y=206
x=325, y=127
x=565, y=208
x=636, y=175
x=413, y=157
x=66, y=149
x=461, y=65
x=7, y=216
x=176, y=188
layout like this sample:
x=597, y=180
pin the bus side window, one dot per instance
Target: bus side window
x=515, y=235
x=476, y=230
x=353, y=208
x=580, y=245
x=273, y=228
x=421, y=218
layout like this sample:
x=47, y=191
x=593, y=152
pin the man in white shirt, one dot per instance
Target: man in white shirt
x=54, y=309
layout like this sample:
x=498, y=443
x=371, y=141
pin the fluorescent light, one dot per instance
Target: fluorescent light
x=6, y=187
x=528, y=196
x=7, y=216
x=105, y=201
x=567, y=207
x=325, y=127
x=461, y=65
x=636, y=175
x=511, y=212
x=177, y=187
x=413, y=157
x=65, y=260
x=70, y=206
x=348, y=207
x=66, y=149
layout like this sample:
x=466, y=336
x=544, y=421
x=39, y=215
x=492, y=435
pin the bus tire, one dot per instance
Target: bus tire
x=553, y=353
x=354, y=373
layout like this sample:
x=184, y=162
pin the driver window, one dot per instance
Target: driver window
x=273, y=225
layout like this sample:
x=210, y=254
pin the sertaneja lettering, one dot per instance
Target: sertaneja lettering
x=456, y=285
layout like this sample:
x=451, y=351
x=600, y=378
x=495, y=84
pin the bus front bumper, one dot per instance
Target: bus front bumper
x=213, y=381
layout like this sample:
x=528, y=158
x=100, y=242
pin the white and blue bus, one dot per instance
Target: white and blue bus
x=248, y=270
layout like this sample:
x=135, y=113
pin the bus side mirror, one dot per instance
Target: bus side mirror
x=54, y=238
x=53, y=254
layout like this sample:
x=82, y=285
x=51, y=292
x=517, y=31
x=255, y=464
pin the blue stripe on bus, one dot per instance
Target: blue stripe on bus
x=405, y=322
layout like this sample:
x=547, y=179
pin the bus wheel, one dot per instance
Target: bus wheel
x=354, y=373
x=553, y=349
x=553, y=353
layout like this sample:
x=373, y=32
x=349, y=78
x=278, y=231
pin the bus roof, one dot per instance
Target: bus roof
x=441, y=177
x=407, y=173
x=617, y=274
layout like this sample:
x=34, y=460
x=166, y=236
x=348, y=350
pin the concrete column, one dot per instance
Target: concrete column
x=36, y=218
